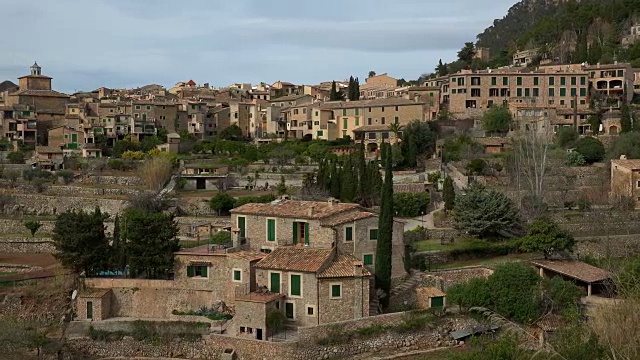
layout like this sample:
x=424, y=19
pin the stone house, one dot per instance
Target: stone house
x=625, y=180
x=349, y=228
x=636, y=81
x=374, y=135
x=94, y=304
x=49, y=157
x=67, y=137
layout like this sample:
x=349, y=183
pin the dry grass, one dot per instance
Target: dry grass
x=156, y=172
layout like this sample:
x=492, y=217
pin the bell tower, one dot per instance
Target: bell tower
x=35, y=80
x=36, y=69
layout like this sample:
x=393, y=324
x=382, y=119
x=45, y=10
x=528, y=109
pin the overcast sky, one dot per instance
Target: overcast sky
x=84, y=44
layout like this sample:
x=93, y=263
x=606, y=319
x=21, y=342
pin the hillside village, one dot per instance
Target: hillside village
x=480, y=212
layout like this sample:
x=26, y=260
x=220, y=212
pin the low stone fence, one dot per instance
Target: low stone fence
x=109, y=283
x=129, y=326
x=311, y=334
x=462, y=275
x=14, y=268
x=16, y=226
x=113, y=180
x=53, y=205
x=27, y=245
x=608, y=245
x=97, y=191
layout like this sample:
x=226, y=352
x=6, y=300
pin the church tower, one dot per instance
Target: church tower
x=36, y=69
x=35, y=80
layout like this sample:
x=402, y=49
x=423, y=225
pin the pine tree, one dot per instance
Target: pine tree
x=385, y=231
x=448, y=194
x=441, y=69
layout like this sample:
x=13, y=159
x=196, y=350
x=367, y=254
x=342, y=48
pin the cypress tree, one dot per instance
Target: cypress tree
x=335, y=182
x=118, y=260
x=351, y=88
x=625, y=118
x=385, y=231
x=349, y=181
x=448, y=194
x=356, y=95
x=363, y=184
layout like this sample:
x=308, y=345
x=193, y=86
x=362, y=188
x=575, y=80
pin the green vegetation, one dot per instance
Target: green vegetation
x=591, y=149
x=353, y=92
x=410, y=205
x=545, y=236
x=15, y=157
x=574, y=158
x=66, y=175
x=33, y=226
x=385, y=230
x=448, y=194
x=209, y=313
x=566, y=136
x=459, y=147
x=221, y=238
x=627, y=144
x=497, y=119
x=485, y=213
x=335, y=94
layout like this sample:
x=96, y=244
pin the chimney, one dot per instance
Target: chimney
x=357, y=267
x=311, y=211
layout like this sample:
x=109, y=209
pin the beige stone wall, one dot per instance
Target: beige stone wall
x=27, y=245
x=353, y=304
x=52, y=205
x=256, y=232
x=309, y=296
x=376, y=115
x=101, y=308
x=251, y=314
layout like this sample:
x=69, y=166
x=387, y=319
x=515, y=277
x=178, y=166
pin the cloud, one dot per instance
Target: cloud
x=85, y=44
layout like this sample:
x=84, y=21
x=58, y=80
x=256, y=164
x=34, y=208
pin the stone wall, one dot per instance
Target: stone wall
x=16, y=226
x=608, y=246
x=52, y=205
x=128, y=326
x=113, y=180
x=67, y=190
x=212, y=346
x=311, y=334
x=462, y=275
x=27, y=245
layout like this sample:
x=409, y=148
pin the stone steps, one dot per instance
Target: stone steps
x=410, y=283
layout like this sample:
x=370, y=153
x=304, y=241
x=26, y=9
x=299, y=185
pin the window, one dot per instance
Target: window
x=535, y=81
x=373, y=234
x=295, y=285
x=527, y=92
x=344, y=112
x=311, y=310
x=372, y=136
x=397, y=108
x=320, y=133
x=369, y=121
x=519, y=81
x=369, y=109
x=396, y=120
x=574, y=92
x=367, y=259
x=563, y=81
x=563, y=92
x=137, y=107
x=357, y=111
x=536, y=92
x=348, y=233
x=494, y=80
x=336, y=291
x=197, y=271
x=148, y=107
x=505, y=81
x=583, y=92
x=316, y=123
x=519, y=92
x=620, y=73
x=475, y=80
x=552, y=92
x=271, y=229
x=583, y=80
x=574, y=80
x=345, y=123
x=383, y=109
x=289, y=310
x=638, y=184
x=357, y=121
x=385, y=134
x=382, y=120
x=237, y=275
x=274, y=282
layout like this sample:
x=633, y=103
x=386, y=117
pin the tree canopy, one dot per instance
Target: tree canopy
x=497, y=119
x=485, y=212
x=591, y=149
x=627, y=144
x=547, y=237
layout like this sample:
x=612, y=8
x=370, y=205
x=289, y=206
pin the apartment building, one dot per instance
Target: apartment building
x=470, y=93
x=19, y=122
x=613, y=83
x=350, y=115
x=525, y=57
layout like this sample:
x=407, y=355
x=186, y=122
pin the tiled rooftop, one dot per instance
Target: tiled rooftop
x=48, y=150
x=295, y=258
x=370, y=103
x=429, y=292
x=633, y=164
x=346, y=217
x=344, y=265
x=574, y=269
x=247, y=255
x=46, y=93
x=295, y=209
x=94, y=293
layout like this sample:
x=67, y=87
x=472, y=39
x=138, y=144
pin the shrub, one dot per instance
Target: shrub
x=574, y=158
x=410, y=205
x=566, y=136
x=433, y=177
x=32, y=226
x=221, y=238
x=475, y=248
x=39, y=185
x=116, y=164
x=16, y=157
x=591, y=149
x=476, y=167
x=66, y=175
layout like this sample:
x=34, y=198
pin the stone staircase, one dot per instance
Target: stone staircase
x=410, y=283
x=374, y=306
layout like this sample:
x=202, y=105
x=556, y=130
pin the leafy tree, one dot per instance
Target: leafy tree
x=66, y=175
x=591, y=149
x=467, y=53
x=441, y=69
x=15, y=157
x=410, y=205
x=385, y=230
x=473, y=293
x=513, y=288
x=221, y=238
x=353, y=91
x=485, y=212
x=566, y=136
x=281, y=187
x=162, y=133
x=627, y=144
x=594, y=122
x=418, y=140
x=372, y=73
x=150, y=238
x=476, y=167
x=497, y=119
x=574, y=158
x=123, y=146
x=149, y=142
x=80, y=241
x=222, y=203
x=448, y=194
x=547, y=237
x=559, y=295
x=232, y=132
x=33, y=226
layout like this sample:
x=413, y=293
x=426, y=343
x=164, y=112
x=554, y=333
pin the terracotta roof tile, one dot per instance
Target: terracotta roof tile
x=94, y=293
x=295, y=209
x=346, y=217
x=48, y=150
x=294, y=258
x=344, y=265
x=414, y=188
x=47, y=93
x=633, y=164
x=574, y=269
x=247, y=255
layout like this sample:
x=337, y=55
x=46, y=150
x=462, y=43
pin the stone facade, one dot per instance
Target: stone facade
x=625, y=179
x=352, y=304
x=27, y=245
x=113, y=180
x=94, y=305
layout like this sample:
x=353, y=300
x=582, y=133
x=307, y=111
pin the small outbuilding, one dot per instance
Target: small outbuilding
x=430, y=297
x=94, y=304
x=591, y=278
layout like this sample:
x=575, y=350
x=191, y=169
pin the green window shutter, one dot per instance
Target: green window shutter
x=552, y=92
x=437, y=302
x=336, y=290
x=306, y=234
x=237, y=275
x=190, y=271
x=271, y=230
x=204, y=271
x=344, y=112
x=519, y=92
x=344, y=123
x=573, y=80
x=357, y=121
x=368, y=259
x=494, y=80
x=583, y=92
x=505, y=81
x=373, y=234
x=527, y=92
x=519, y=81
x=563, y=81
x=563, y=92
x=275, y=283
x=74, y=138
x=295, y=233
x=241, y=225
x=583, y=81
x=295, y=285
x=348, y=236
x=574, y=92
x=357, y=113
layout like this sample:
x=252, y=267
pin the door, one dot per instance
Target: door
x=259, y=334
x=90, y=310
x=288, y=310
x=437, y=302
x=242, y=227
x=275, y=283
x=200, y=184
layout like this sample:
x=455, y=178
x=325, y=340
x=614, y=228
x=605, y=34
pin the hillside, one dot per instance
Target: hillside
x=567, y=30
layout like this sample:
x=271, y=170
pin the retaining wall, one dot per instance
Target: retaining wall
x=27, y=245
